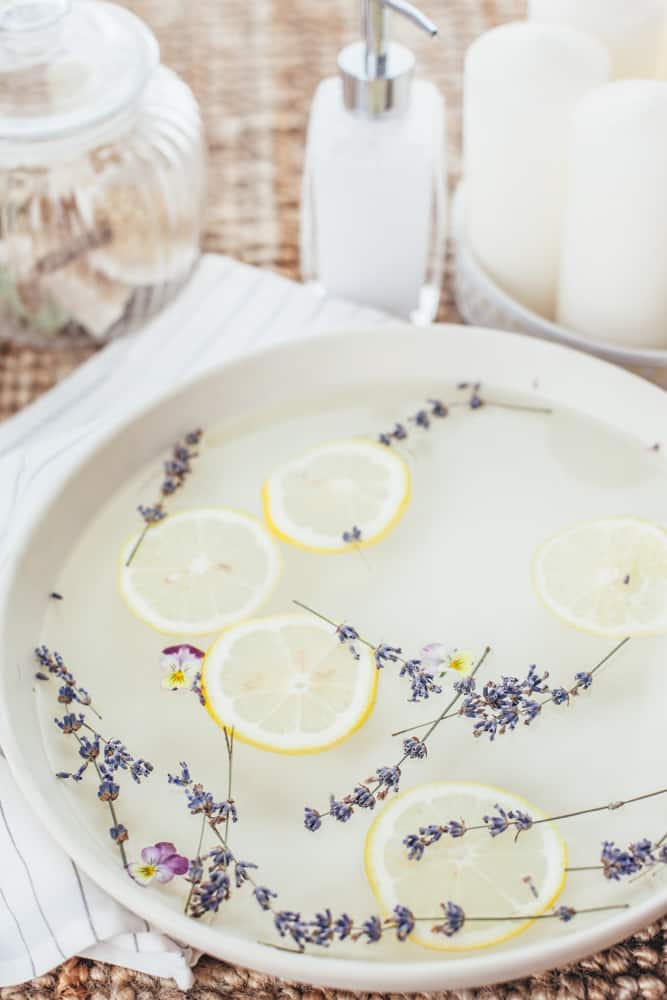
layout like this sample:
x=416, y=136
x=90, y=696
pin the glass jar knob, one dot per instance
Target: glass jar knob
x=30, y=29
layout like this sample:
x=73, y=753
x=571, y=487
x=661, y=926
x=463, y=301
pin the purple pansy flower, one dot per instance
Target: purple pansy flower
x=180, y=665
x=160, y=862
x=433, y=655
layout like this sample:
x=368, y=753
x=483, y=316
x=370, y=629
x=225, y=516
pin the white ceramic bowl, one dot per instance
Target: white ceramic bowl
x=482, y=302
x=388, y=358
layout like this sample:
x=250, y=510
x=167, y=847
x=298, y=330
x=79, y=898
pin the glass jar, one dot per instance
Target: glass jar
x=102, y=172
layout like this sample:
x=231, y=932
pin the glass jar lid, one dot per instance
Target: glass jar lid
x=67, y=65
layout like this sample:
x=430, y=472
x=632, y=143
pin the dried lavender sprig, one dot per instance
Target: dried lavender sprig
x=229, y=744
x=495, y=405
x=70, y=691
x=437, y=409
x=637, y=858
x=210, y=893
x=108, y=756
x=115, y=757
x=386, y=779
x=340, y=629
x=211, y=888
x=512, y=686
x=323, y=928
x=177, y=468
x=583, y=678
x=501, y=821
x=563, y=913
x=144, y=531
x=200, y=802
x=119, y=833
x=194, y=881
x=460, y=687
x=403, y=921
x=422, y=682
x=618, y=863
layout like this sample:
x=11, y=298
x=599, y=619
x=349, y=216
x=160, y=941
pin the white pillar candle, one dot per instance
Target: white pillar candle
x=613, y=284
x=662, y=71
x=632, y=29
x=522, y=83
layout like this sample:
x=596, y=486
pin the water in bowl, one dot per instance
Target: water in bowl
x=488, y=486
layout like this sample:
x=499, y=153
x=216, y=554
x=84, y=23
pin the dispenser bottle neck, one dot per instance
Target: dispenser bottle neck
x=374, y=27
x=376, y=73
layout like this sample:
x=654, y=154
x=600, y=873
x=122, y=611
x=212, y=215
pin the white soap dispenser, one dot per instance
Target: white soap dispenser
x=373, y=212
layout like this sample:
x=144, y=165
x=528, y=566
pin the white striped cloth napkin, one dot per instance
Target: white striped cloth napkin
x=49, y=910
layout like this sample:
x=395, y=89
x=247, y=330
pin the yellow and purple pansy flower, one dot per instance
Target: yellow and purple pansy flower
x=180, y=666
x=160, y=862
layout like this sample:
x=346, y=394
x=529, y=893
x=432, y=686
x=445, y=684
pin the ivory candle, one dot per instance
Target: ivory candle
x=522, y=83
x=633, y=30
x=612, y=285
x=662, y=71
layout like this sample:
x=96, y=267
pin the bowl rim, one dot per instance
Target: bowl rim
x=473, y=970
x=531, y=323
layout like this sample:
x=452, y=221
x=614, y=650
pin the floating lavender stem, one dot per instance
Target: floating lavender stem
x=108, y=757
x=422, y=681
x=177, y=468
x=386, y=778
x=500, y=706
x=437, y=409
x=614, y=861
x=216, y=874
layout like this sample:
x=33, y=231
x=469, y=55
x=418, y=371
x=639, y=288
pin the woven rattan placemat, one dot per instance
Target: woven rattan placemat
x=254, y=65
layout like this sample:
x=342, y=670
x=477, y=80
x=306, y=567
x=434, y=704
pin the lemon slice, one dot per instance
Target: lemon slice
x=484, y=875
x=287, y=684
x=200, y=570
x=314, y=500
x=608, y=577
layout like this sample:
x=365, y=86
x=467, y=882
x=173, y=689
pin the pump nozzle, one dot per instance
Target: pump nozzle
x=413, y=14
x=376, y=73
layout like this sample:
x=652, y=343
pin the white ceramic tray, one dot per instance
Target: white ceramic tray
x=506, y=481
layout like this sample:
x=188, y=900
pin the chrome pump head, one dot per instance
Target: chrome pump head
x=376, y=73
